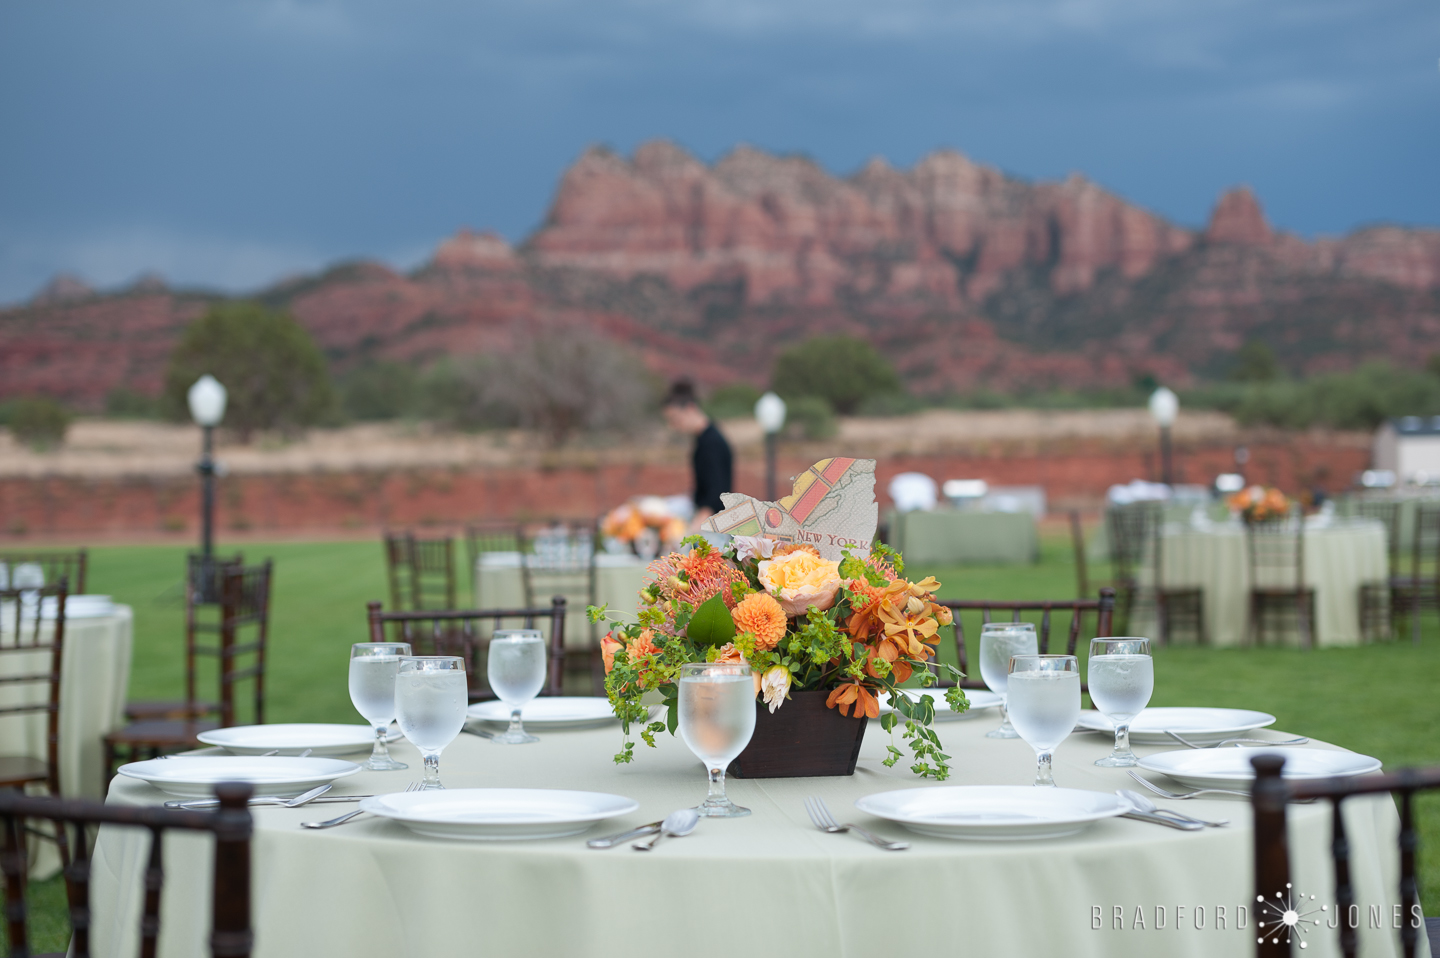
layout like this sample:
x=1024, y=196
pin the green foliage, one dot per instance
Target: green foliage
x=1360, y=399
x=275, y=376
x=842, y=370
x=39, y=422
x=711, y=624
x=380, y=389
x=123, y=403
x=810, y=417
x=733, y=401
x=1255, y=363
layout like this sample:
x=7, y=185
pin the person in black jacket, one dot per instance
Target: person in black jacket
x=711, y=459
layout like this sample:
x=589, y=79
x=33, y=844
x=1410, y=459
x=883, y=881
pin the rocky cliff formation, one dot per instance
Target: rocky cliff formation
x=965, y=276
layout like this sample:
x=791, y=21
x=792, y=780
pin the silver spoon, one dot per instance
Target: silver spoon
x=678, y=823
x=1301, y=740
x=1144, y=804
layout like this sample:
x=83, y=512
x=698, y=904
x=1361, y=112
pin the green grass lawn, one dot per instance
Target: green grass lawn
x=1380, y=699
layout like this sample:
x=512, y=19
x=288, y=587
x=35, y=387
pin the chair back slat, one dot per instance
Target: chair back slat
x=244, y=607
x=1269, y=797
x=457, y=632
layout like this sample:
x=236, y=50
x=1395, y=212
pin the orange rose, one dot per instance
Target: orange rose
x=801, y=579
x=609, y=645
x=761, y=616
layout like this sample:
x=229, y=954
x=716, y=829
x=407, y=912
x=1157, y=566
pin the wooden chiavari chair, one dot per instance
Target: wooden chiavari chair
x=455, y=632
x=1103, y=607
x=70, y=566
x=1276, y=553
x=488, y=536
x=421, y=571
x=230, y=934
x=1270, y=796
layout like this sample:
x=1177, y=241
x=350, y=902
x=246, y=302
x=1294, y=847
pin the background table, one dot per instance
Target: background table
x=955, y=537
x=1337, y=560
x=768, y=884
x=500, y=584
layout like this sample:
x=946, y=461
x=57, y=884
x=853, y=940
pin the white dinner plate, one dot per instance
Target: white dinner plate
x=196, y=776
x=993, y=813
x=292, y=739
x=980, y=700
x=1198, y=725
x=548, y=711
x=498, y=814
x=1229, y=767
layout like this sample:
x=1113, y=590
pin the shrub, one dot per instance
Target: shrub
x=1255, y=363
x=274, y=374
x=39, y=422
x=123, y=403
x=732, y=401
x=842, y=370
x=810, y=417
x=379, y=389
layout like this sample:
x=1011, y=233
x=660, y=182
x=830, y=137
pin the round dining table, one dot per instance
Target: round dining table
x=766, y=884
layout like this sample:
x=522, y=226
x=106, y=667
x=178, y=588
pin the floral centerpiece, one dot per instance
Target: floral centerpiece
x=644, y=524
x=852, y=628
x=1259, y=504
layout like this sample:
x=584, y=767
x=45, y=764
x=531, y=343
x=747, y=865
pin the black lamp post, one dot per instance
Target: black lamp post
x=770, y=413
x=207, y=408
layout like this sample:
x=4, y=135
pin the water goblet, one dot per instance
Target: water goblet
x=430, y=698
x=1122, y=676
x=516, y=670
x=999, y=641
x=717, y=718
x=373, y=666
x=1044, y=696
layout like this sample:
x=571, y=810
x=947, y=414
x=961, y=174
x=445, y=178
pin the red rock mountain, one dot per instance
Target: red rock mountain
x=966, y=277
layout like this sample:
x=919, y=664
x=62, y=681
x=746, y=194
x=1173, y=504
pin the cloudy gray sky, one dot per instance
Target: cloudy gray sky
x=226, y=143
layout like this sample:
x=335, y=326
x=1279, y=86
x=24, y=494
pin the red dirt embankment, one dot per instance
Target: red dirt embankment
x=128, y=480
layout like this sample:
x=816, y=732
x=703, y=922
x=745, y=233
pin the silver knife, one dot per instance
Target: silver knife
x=612, y=840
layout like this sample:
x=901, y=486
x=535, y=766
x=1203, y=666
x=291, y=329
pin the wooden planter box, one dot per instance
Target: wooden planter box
x=801, y=739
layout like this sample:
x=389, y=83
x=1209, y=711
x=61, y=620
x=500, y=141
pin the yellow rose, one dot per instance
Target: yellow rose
x=800, y=580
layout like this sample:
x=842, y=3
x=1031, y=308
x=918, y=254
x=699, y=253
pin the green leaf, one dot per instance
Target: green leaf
x=672, y=715
x=711, y=624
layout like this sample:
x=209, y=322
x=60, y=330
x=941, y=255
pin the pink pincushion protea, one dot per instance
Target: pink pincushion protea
x=692, y=578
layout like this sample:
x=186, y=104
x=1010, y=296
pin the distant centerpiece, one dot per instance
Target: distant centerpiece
x=826, y=622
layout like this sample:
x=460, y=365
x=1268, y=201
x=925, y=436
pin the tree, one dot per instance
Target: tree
x=842, y=370
x=1255, y=363
x=380, y=390
x=274, y=374
x=39, y=422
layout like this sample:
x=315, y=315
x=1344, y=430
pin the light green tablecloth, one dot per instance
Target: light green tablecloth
x=765, y=885
x=952, y=537
x=1337, y=560
x=499, y=584
x=94, y=676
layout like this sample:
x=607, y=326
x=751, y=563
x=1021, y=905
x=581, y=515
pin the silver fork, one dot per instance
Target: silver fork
x=1179, y=795
x=1301, y=740
x=342, y=819
x=820, y=815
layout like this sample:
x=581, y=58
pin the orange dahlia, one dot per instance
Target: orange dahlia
x=761, y=616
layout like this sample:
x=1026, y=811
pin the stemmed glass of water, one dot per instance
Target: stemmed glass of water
x=717, y=718
x=373, y=666
x=430, y=698
x=516, y=670
x=1122, y=677
x=1044, y=696
x=998, y=642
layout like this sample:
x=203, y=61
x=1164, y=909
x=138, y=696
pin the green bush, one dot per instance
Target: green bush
x=379, y=389
x=275, y=376
x=1360, y=399
x=1255, y=363
x=732, y=401
x=38, y=422
x=810, y=417
x=123, y=403
x=842, y=370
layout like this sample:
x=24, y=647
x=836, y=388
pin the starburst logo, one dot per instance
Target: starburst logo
x=1283, y=916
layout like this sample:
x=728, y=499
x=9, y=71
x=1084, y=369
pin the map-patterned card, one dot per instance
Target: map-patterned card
x=832, y=507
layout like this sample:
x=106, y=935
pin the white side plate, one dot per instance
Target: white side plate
x=197, y=776
x=1199, y=725
x=292, y=739
x=1229, y=767
x=548, y=711
x=499, y=814
x=993, y=812
x=980, y=700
